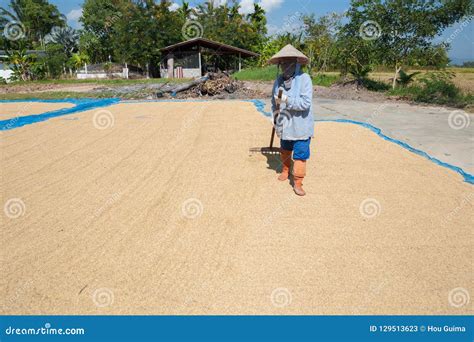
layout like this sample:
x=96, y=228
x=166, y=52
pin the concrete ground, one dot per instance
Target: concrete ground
x=425, y=128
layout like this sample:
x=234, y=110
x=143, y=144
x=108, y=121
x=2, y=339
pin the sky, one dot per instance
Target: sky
x=283, y=14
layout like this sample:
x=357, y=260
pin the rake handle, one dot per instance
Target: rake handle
x=277, y=110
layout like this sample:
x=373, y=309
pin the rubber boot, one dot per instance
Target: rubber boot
x=286, y=161
x=299, y=171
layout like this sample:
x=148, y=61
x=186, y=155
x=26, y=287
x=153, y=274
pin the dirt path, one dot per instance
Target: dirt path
x=164, y=212
x=47, y=87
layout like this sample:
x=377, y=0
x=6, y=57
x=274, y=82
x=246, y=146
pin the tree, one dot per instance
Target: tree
x=99, y=18
x=36, y=17
x=226, y=24
x=398, y=27
x=320, y=39
x=434, y=56
x=55, y=60
x=185, y=11
x=65, y=36
x=78, y=60
x=355, y=56
x=144, y=28
x=258, y=20
x=469, y=64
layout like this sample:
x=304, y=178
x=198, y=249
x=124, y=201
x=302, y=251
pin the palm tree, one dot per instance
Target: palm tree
x=185, y=11
x=36, y=20
x=65, y=36
x=405, y=79
x=234, y=11
x=258, y=19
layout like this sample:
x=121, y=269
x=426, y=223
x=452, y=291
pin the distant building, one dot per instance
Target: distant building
x=185, y=59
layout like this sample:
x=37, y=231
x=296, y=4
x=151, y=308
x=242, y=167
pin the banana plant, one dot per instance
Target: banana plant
x=405, y=79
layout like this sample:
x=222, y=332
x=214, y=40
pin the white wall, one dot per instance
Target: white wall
x=187, y=72
x=6, y=74
x=83, y=76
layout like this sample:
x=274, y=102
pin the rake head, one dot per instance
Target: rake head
x=264, y=150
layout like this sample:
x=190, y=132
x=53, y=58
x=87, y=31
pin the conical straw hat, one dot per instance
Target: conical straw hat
x=288, y=51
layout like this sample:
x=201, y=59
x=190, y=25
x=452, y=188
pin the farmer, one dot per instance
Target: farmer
x=295, y=124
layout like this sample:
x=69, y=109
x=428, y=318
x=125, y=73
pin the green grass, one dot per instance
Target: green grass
x=267, y=73
x=325, y=80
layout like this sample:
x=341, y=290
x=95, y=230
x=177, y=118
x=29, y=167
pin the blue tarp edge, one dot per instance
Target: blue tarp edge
x=86, y=104
x=80, y=105
x=468, y=178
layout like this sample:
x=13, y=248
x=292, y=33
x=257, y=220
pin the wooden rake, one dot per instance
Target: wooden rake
x=270, y=149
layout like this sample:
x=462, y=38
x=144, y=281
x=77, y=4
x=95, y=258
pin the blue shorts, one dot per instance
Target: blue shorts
x=300, y=148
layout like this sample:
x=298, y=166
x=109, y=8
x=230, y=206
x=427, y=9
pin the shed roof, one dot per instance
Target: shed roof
x=210, y=44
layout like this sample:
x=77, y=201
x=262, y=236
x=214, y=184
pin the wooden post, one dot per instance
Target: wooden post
x=170, y=65
x=240, y=62
x=200, y=64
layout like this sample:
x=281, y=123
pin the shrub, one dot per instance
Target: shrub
x=437, y=88
x=55, y=60
x=374, y=85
